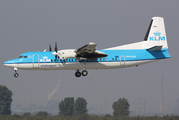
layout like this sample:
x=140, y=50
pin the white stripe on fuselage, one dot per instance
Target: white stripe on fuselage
x=77, y=65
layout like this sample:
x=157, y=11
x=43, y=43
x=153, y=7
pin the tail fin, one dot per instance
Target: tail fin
x=156, y=35
x=155, y=38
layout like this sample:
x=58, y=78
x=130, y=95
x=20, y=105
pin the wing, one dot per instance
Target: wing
x=86, y=49
x=89, y=51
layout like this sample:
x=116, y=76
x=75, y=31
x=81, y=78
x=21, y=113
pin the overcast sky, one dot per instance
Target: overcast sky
x=30, y=25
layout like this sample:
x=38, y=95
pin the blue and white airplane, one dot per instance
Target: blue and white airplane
x=153, y=48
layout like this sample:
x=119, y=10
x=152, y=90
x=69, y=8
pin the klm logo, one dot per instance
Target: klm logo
x=157, y=37
x=45, y=59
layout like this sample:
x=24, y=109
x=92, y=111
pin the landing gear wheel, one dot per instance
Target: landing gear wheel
x=77, y=74
x=16, y=75
x=84, y=73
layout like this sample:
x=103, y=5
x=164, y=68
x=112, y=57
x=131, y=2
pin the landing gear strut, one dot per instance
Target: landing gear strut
x=16, y=74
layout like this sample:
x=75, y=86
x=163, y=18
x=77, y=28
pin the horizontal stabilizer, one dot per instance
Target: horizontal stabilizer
x=155, y=48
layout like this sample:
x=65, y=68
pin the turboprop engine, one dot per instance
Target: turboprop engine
x=65, y=54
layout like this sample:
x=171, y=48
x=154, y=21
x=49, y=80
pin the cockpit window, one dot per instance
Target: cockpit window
x=22, y=56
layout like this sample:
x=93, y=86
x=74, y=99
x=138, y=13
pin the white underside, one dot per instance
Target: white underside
x=76, y=66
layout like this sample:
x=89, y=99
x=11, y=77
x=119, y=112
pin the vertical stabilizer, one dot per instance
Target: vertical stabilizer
x=156, y=35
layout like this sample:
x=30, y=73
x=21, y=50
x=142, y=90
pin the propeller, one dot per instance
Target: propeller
x=50, y=48
x=56, y=50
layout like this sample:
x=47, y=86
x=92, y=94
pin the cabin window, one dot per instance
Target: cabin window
x=115, y=58
x=100, y=58
x=112, y=58
x=104, y=59
x=71, y=59
x=25, y=56
x=20, y=56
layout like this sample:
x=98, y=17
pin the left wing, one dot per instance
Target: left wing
x=89, y=51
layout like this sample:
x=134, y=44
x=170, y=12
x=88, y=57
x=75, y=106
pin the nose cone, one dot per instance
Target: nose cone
x=9, y=63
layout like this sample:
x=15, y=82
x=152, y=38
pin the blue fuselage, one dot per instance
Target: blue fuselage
x=115, y=59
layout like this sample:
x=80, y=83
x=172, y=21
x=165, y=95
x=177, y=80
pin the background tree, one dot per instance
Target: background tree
x=42, y=113
x=66, y=106
x=121, y=108
x=27, y=114
x=5, y=100
x=80, y=106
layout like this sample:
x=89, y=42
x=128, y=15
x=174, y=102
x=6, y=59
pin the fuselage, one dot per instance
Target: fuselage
x=115, y=59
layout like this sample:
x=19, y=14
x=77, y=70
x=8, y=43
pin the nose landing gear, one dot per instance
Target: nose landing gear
x=16, y=74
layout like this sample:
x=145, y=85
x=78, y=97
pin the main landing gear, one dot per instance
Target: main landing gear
x=83, y=73
x=16, y=74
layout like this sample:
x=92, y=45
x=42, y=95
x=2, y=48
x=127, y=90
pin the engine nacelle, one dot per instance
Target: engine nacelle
x=65, y=54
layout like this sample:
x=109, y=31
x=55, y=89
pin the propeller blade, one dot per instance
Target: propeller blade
x=56, y=49
x=50, y=49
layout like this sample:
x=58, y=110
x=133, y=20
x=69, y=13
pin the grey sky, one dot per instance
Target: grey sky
x=30, y=25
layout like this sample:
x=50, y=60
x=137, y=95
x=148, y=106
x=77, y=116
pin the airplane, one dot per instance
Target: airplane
x=154, y=47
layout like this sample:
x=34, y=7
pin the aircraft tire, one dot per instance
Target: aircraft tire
x=16, y=75
x=77, y=74
x=84, y=73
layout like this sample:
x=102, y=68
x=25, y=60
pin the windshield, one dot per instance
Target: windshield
x=22, y=56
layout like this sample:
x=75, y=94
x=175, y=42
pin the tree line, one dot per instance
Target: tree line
x=84, y=117
x=67, y=107
x=70, y=109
